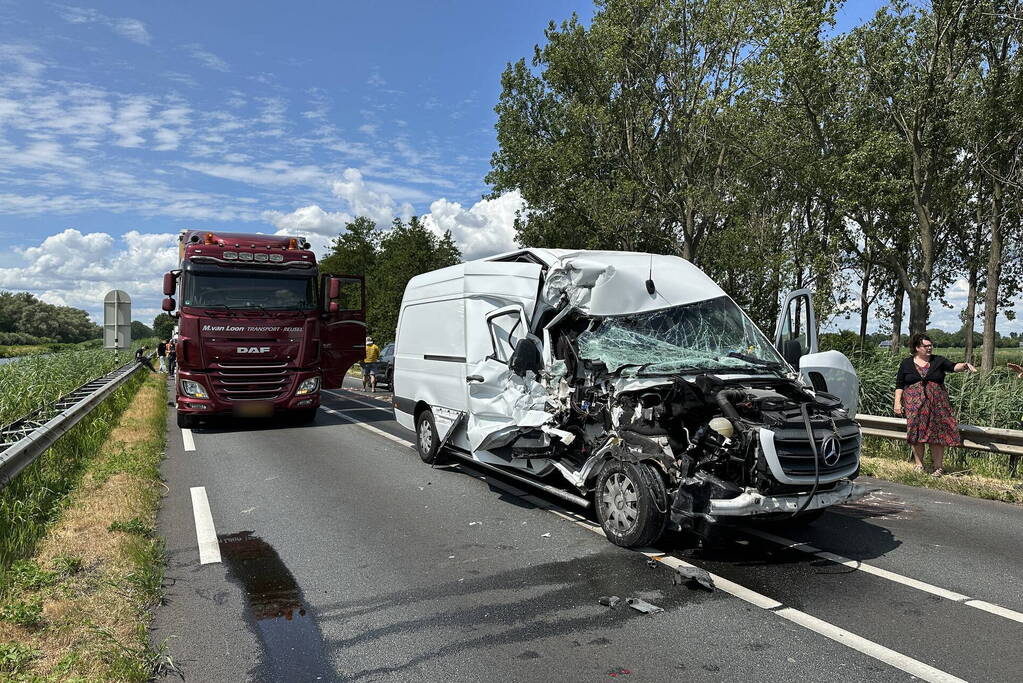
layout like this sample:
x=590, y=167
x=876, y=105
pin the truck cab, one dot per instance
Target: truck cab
x=260, y=329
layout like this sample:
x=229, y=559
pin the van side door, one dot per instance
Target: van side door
x=797, y=342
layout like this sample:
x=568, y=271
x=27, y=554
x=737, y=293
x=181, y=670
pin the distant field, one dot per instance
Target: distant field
x=1002, y=356
x=14, y=351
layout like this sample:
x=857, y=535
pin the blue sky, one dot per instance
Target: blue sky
x=123, y=123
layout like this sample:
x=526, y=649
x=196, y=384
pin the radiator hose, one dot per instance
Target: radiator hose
x=816, y=461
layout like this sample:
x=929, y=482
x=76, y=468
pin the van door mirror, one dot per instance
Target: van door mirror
x=796, y=334
x=525, y=358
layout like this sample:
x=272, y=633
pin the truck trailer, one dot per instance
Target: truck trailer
x=260, y=329
x=630, y=382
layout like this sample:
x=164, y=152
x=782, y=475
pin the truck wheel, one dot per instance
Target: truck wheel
x=427, y=442
x=186, y=421
x=632, y=504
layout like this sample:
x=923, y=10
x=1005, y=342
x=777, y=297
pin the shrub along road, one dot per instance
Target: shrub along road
x=341, y=556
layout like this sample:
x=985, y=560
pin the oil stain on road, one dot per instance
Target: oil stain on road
x=276, y=610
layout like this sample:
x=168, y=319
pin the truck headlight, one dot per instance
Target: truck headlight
x=308, y=386
x=193, y=389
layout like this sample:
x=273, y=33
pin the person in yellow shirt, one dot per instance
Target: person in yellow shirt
x=369, y=370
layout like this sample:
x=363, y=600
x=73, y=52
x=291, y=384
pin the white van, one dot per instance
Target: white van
x=628, y=381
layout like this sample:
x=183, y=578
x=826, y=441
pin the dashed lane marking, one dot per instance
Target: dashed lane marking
x=889, y=575
x=187, y=440
x=877, y=651
x=205, y=532
x=348, y=397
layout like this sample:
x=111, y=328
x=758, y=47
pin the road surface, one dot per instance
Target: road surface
x=331, y=552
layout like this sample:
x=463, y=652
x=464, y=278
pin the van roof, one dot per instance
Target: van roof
x=598, y=282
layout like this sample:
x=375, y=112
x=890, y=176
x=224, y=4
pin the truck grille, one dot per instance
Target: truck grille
x=252, y=380
x=796, y=456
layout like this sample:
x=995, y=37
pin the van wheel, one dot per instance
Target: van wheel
x=632, y=503
x=427, y=442
x=186, y=421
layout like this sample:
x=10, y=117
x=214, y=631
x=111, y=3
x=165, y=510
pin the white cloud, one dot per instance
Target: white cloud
x=132, y=29
x=207, y=58
x=76, y=269
x=309, y=220
x=276, y=173
x=368, y=199
x=487, y=228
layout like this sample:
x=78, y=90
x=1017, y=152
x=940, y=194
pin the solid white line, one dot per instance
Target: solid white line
x=379, y=432
x=839, y=635
x=890, y=576
x=346, y=397
x=205, y=532
x=186, y=438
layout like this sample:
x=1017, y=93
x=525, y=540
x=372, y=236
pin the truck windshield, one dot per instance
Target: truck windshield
x=706, y=335
x=269, y=292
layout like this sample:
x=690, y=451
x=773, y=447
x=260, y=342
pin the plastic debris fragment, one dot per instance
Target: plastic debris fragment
x=547, y=535
x=609, y=600
x=643, y=606
x=693, y=576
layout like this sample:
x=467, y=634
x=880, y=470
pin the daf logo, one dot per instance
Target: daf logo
x=831, y=451
x=253, y=349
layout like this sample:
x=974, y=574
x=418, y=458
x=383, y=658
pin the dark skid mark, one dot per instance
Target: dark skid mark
x=286, y=627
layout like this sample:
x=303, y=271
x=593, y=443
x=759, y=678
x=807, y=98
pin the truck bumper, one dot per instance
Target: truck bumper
x=750, y=503
x=215, y=405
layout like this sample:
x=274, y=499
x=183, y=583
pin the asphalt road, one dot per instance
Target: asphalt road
x=343, y=557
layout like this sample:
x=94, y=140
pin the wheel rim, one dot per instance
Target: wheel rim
x=619, y=503
x=425, y=436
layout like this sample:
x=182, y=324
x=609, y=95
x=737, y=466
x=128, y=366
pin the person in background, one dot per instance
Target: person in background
x=172, y=357
x=161, y=353
x=369, y=377
x=920, y=394
x=142, y=358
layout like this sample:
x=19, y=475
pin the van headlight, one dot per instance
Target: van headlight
x=308, y=386
x=193, y=389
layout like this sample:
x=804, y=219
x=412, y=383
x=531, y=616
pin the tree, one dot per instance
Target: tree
x=354, y=251
x=163, y=326
x=139, y=330
x=24, y=313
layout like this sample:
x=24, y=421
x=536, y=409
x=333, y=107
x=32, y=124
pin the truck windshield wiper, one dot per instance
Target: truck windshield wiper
x=755, y=361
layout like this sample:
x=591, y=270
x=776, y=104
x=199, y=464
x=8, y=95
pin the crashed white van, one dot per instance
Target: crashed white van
x=628, y=381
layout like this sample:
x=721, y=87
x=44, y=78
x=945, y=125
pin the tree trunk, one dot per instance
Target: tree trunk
x=919, y=307
x=864, y=302
x=897, y=320
x=971, y=315
x=994, y=274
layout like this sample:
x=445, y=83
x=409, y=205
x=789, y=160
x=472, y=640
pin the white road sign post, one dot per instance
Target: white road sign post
x=117, y=320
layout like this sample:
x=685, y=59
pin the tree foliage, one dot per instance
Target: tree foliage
x=163, y=326
x=387, y=259
x=21, y=312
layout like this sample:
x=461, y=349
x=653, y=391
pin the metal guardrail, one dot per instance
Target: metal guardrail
x=991, y=439
x=23, y=441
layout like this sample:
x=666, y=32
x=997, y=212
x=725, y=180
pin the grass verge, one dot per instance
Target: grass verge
x=80, y=607
x=889, y=461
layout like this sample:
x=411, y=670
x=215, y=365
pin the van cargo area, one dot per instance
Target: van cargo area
x=635, y=382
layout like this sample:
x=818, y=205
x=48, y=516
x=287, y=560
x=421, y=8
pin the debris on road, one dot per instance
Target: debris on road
x=609, y=600
x=692, y=576
x=643, y=606
x=475, y=523
x=547, y=535
x=651, y=563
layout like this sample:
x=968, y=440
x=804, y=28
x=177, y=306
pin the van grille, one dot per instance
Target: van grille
x=796, y=456
x=251, y=380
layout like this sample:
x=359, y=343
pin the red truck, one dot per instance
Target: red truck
x=260, y=329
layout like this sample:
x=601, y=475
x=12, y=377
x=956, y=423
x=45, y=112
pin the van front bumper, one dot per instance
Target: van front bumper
x=751, y=503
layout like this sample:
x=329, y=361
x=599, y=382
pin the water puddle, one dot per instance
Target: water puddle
x=277, y=611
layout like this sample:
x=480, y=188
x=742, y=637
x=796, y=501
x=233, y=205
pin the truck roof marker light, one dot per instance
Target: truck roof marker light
x=230, y=255
x=292, y=243
x=244, y=256
x=210, y=239
x=276, y=258
x=260, y=257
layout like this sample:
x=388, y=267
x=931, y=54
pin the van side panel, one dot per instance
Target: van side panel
x=429, y=359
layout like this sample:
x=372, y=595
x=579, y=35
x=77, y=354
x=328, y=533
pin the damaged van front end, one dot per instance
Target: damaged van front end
x=640, y=383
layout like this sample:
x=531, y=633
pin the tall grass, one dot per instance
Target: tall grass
x=33, y=499
x=986, y=399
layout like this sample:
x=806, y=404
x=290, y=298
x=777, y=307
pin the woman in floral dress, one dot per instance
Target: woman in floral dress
x=920, y=392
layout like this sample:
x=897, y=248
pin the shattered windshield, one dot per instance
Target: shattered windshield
x=706, y=335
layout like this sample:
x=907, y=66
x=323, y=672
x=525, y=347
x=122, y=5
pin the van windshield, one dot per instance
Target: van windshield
x=707, y=335
x=270, y=292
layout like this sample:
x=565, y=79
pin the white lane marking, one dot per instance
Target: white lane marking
x=890, y=576
x=186, y=438
x=839, y=635
x=380, y=432
x=205, y=532
x=346, y=397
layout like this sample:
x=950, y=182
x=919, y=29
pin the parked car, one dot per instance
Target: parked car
x=635, y=380
x=385, y=366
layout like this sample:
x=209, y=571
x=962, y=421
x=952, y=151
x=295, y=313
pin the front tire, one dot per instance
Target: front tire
x=427, y=442
x=632, y=503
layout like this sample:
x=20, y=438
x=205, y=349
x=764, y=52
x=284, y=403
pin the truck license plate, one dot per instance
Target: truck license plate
x=254, y=409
